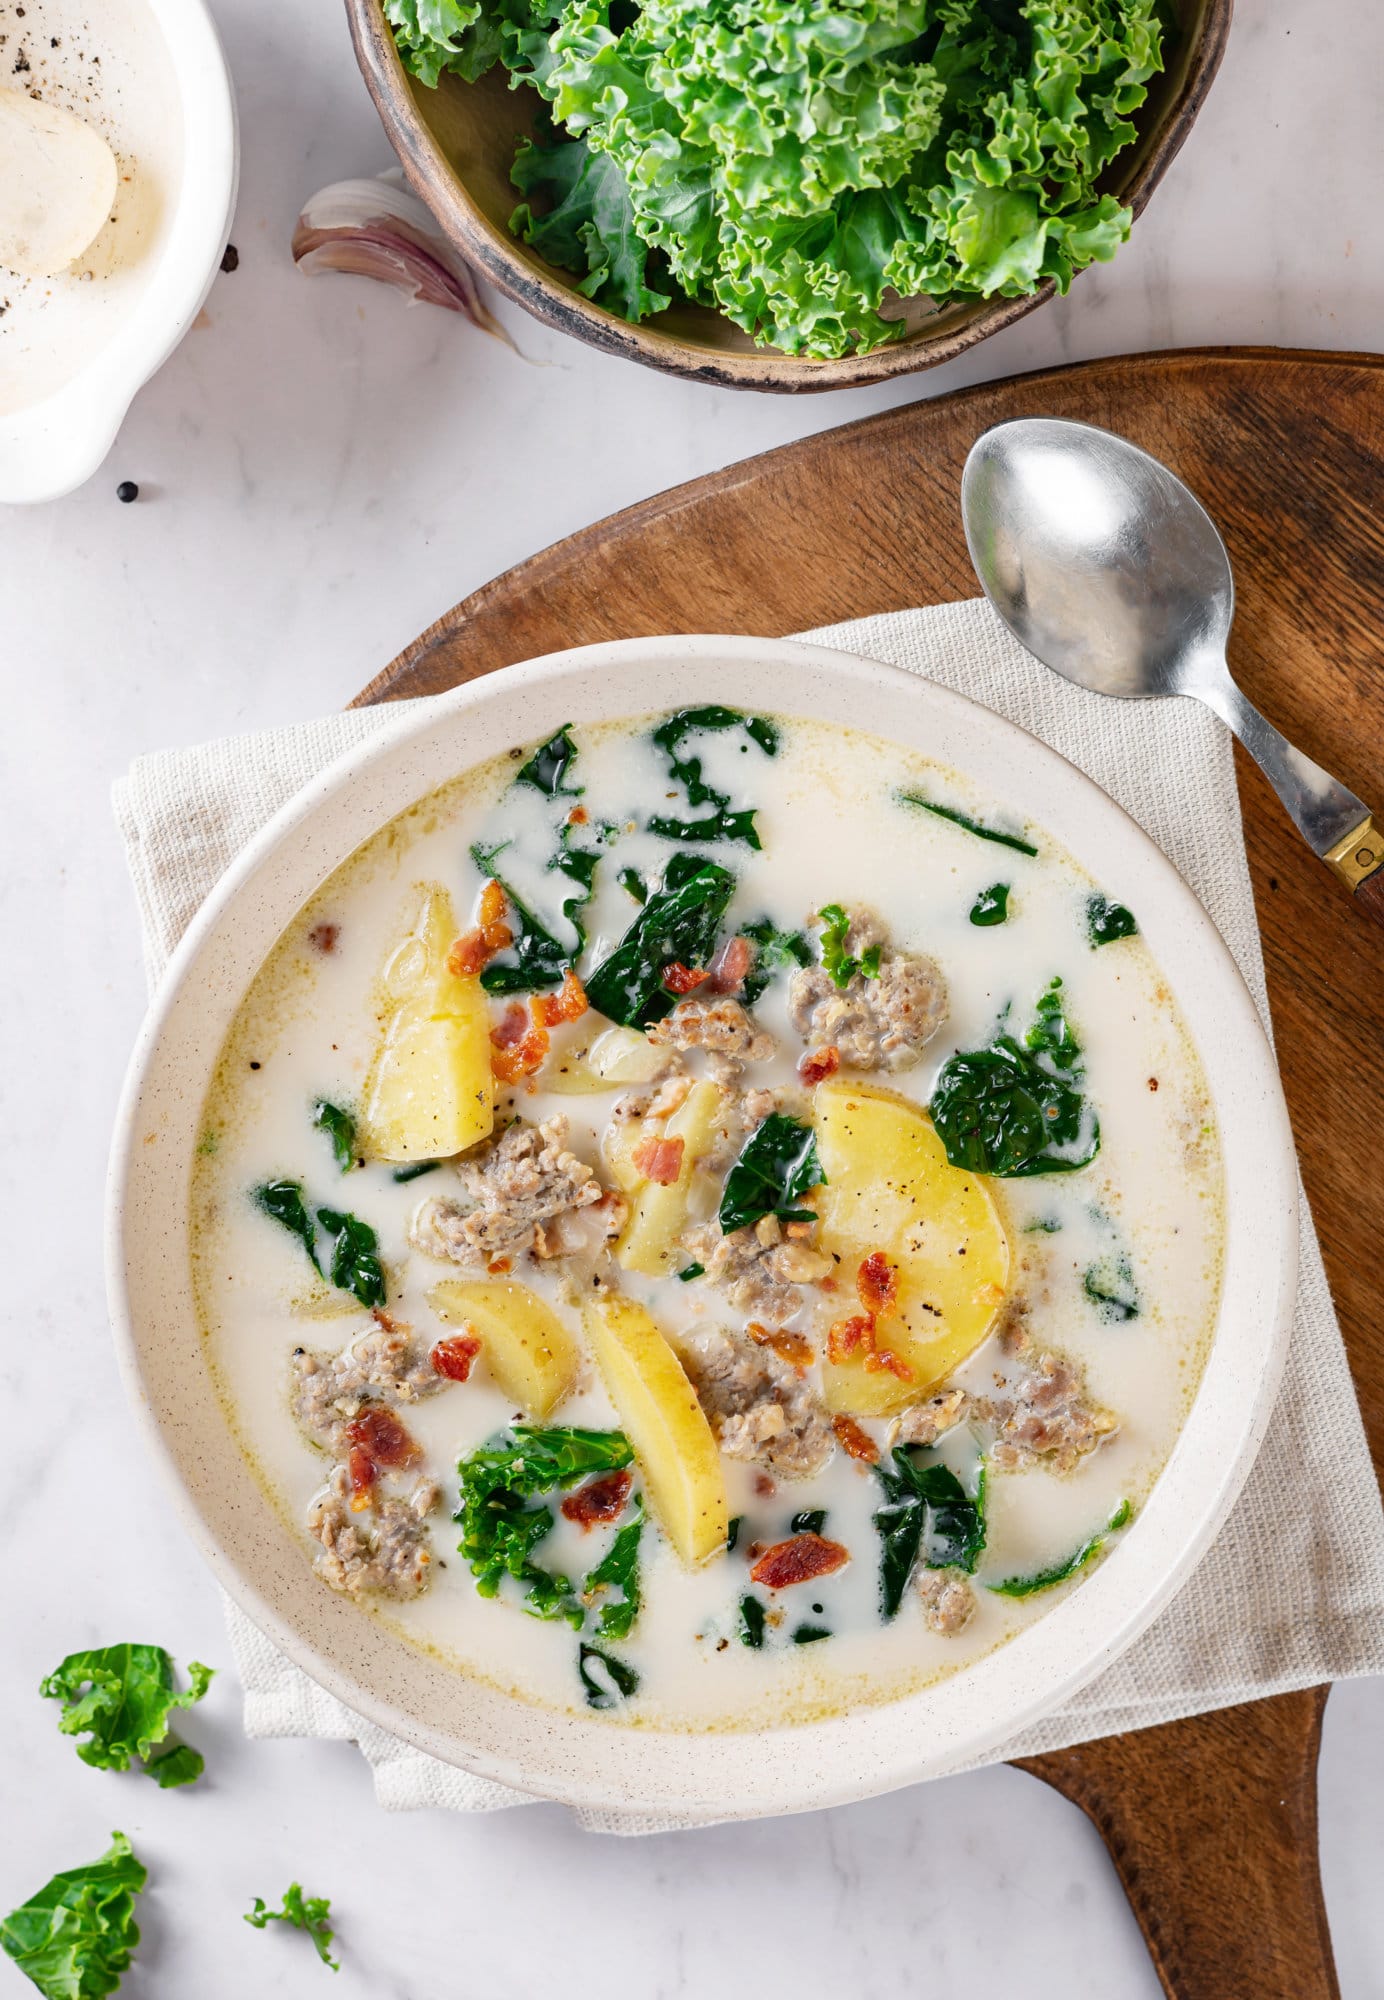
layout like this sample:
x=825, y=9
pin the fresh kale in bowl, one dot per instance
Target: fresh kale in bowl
x=801, y=165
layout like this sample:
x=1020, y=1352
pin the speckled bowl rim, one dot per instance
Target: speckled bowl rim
x=586, y=1760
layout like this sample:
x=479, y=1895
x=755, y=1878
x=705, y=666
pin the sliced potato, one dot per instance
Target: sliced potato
x=661, y=1417
x=527, y=1349
x=430, y=1092
x=617, y=1147
x=890, y=1187
x=659, y=1215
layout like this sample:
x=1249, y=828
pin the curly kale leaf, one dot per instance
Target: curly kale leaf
x=500, y=1530
x=579, y=214
x=305, y=1913
x=837, y=962
x=77, y=1936
x=462, y=38
x=120, y=1698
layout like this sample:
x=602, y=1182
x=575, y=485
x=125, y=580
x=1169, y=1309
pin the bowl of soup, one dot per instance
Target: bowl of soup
x=703, y=1226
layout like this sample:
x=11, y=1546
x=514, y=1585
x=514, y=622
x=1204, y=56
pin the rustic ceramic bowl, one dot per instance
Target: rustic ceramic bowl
x=55, y=442
x=585, y=1759
x=456, y=144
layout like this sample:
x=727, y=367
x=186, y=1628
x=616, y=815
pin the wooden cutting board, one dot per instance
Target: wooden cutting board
x=1210, y=1822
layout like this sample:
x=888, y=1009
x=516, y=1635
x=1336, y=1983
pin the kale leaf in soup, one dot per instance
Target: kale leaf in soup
x=1069, y=1566
x=723, y=822
x=340, y=1128
x=927, y=1514
x=777, y=1164
x=1015, y=1110
x=678, y=926
x=1107, y=922
x=969, y=825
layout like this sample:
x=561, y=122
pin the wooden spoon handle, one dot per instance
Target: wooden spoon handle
x=1359, y=861
x=1212, y=1825
x=1369, y=896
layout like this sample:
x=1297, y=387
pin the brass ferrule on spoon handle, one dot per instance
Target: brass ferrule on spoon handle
x=1358, y=855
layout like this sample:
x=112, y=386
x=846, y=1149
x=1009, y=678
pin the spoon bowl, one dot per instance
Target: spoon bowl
x=1107, y=569
x=1097, y=558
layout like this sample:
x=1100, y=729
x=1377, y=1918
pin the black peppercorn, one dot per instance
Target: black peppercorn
x=127, y=491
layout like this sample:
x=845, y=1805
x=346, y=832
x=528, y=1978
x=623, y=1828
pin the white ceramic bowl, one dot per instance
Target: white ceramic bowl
x=50, y=446
x=583, y=1759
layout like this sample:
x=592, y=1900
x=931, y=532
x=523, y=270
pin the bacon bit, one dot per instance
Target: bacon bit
x=474, y=950
x=884, y=1358
x=798, y=1561
x=499, y=1265
x=519, y=1047
x=386, y=1321
x=454, y=1357
x=511, y=1027
x=727, y=970
x=848, y=1334
x=379, y=1432
x=600, y=1499
x=360, y=1472
x=680, y=978
x=659, y=1159
x=567, y=1004
x=578, y=816
x=794, y=1348
x=857, y=1334
x=818, y=1064
x=877, y=1282
x=323, y=937
x=854, y=1441
x=764, y=1485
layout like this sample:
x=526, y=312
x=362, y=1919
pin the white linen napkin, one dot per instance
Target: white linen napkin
x=1292, y=1591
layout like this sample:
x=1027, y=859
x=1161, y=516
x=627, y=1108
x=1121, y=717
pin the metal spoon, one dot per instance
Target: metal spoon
x=1102, y=564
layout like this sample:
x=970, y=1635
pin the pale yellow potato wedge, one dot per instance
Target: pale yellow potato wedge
x=660, y=1415
x=658, y=1217
x=527, y=1349
x=890, y=1187
x=617, y=1145
x=430, y=1092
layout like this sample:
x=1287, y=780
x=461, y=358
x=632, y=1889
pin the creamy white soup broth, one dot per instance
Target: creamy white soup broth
x=686, y=1229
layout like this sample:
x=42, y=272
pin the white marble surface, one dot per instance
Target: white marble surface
x=321, y=473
